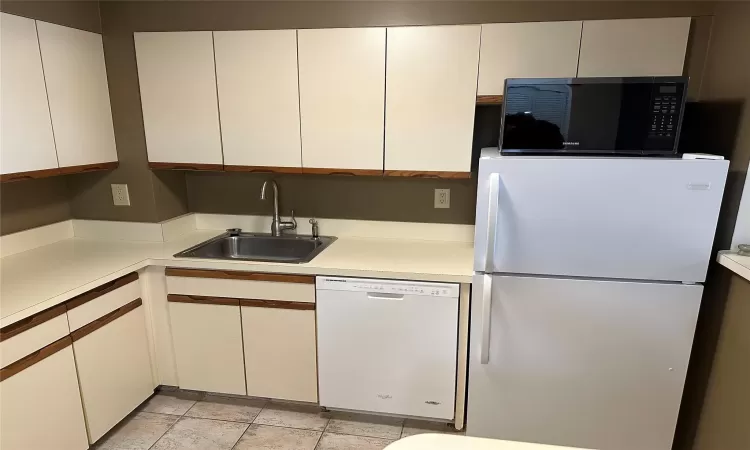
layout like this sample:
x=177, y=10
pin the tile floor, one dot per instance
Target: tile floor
x=182, y=420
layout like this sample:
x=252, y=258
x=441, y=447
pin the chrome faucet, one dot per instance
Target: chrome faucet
x=277, y=225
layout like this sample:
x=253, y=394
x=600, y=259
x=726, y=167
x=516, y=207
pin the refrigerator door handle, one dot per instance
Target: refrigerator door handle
x=492, y=213
x=484, y=343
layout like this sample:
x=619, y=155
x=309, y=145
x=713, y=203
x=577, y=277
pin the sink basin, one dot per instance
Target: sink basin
x=259, y=247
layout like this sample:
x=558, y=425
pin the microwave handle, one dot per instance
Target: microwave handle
x=492, y=217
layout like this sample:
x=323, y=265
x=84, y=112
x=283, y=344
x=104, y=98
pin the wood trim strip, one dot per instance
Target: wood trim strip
x=201, y=300
x=101, y=290
x=278, y=304
x=45, y=173
x=105, y=319
x=426, y=174
x=185, y=166
x=239, y=275
x=348, y=172
x=489, y=99
x=28, y=323
x=262, y=169
x=30, y=360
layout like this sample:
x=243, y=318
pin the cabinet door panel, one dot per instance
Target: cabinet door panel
x=280, y=354
x=527, y=50
x=342, y=82
x=430, y=97
x=114, y=369
x=178, y=96
x=633, y=47
x=26, y=141
x=206, y=337
x=41, y=406
x=78, y=94
x=256, y=76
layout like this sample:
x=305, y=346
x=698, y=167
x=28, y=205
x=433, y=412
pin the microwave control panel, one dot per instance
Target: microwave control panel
x=665, y=110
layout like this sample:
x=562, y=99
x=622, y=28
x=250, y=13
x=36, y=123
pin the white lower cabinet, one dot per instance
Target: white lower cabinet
x=40, y=406
x=114, y=367
x=280, y=354
x=207, y=339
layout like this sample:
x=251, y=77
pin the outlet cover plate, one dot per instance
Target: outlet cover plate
x=120, y=195
x=442, y=198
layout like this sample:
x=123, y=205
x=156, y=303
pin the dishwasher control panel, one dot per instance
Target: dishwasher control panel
x=387, y=286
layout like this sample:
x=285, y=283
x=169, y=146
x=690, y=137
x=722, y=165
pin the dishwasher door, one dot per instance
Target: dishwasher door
x=387, y=346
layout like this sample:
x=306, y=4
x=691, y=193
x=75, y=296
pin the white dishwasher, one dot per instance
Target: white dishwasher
x=387, y=346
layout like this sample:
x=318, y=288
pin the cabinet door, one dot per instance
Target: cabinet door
x=41, y=405
x=78, y=95
x=342, y=82
x=26, y=141
x=207, y=336
x=178, y=96
x=256, y=77
x=280, y=355
x=527, y=50
x=114, y=367
x=430, y=98
x=633, y=47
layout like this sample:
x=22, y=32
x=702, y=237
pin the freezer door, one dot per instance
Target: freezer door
x=644, y=219
x=579, y=363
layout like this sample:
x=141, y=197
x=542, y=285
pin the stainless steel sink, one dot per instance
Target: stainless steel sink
x=259, y=247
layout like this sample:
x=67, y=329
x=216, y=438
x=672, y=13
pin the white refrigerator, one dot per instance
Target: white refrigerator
x=585, y=298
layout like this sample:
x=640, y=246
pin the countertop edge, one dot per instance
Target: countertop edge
x=740, y=265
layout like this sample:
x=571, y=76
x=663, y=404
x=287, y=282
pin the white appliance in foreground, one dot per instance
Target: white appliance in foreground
x=387, y=346
x=586, y=295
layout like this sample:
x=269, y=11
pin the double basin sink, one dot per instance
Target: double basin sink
x=259, y=247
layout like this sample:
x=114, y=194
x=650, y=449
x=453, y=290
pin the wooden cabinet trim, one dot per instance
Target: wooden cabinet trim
x=489, y=99
x=239, y=275
x=262, y=169
x=185, y=166
x=105, y=319
x=101, y=290
x=30, y=360
x=202, y=300
x=347, y=172
x=44, y=173
x=277, y=304
x=426, y=174
x=28, y=323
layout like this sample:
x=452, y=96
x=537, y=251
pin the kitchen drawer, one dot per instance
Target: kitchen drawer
x=101, y=301
x=29, y=335
x=235, y=284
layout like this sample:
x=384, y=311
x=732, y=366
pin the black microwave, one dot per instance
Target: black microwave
x=637, y=116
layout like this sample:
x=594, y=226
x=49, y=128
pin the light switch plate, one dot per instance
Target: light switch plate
x=120, y=195
x=442, y=198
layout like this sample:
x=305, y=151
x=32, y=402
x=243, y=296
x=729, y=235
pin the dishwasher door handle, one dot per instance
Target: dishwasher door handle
x=384, y=296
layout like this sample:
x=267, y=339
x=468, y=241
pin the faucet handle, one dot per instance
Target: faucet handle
x=294, y=221
x=314, y=224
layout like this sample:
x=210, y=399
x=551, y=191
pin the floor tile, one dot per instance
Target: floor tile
x=412, y=427
x=137, y=432
x=201, y=434
x=365, y=425
x=262, y=437
x=332, y=441
x=292, y=416
x=170, y=403
x=227, y=408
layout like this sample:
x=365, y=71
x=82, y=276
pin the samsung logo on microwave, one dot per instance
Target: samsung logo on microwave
x=572, y=143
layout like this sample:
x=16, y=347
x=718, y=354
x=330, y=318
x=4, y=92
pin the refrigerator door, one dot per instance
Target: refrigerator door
x=639, y=218
x=580, y=363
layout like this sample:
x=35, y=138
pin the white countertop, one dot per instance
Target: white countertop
x=453, y=442
x=38, y=279
x=736, y=263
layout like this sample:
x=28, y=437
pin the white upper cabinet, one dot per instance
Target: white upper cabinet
x=256, y=75
x=26, y=141
x=342, y=83
x=527, y=50
x=178, y=95
x=430, y=98
x=78, y=95
x=633, y=47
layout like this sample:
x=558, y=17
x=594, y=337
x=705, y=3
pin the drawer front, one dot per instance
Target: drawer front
x=89, y=307
x=27, y=336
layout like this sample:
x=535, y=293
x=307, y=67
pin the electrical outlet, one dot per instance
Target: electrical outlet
x=120, y=195
x=442, y=198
